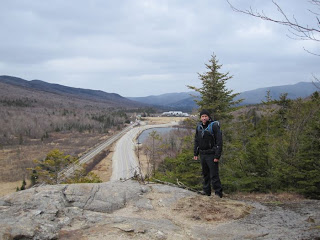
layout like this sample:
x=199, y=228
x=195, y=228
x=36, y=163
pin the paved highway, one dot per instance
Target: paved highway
x=91, y=154
x=124, y=161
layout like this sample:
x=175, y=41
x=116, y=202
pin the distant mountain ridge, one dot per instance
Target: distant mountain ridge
x=184, y=100
x=89, y=94
x=163, y=99
x=301, y=89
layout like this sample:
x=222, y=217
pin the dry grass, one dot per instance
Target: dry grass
x=14, y=160
x=208, y=209
x=162, y=120
x=284, y=197
x=10, y=187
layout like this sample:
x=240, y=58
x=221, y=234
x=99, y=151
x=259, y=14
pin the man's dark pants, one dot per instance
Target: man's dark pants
x=210, y=172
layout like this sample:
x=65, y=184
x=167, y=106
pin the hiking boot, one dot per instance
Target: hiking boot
x=205, y=193
x=219, y=194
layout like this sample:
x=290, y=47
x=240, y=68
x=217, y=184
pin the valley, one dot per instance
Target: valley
x=14, y=160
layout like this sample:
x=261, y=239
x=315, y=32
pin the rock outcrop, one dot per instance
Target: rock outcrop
x=129, y=210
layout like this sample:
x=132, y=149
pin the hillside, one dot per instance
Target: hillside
x=163, y=99
x=170, y=101
x=299, y=90
x=112, y=99
x=31, y=109
x=37, y=117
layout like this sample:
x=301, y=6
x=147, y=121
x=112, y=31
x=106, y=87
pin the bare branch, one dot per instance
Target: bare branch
x=316, y=81
x=315, y=2
x=314, y=12
x=315, y=54
x=303, y=32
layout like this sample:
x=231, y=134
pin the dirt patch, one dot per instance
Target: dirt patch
x=208, y=209
x=194, y=209
x=175, y=214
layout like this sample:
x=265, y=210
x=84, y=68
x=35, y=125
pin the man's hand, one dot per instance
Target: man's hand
x=195, y=157
x=216, y=160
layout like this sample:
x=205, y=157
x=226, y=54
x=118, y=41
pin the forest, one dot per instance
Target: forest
x=27, y=115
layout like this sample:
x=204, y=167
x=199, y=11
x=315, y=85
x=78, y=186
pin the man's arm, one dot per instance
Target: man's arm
x=196, y=145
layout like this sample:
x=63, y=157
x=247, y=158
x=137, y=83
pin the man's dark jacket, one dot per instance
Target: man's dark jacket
x=207, y=143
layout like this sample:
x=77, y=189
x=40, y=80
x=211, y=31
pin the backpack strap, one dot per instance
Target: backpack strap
x=200, y=129
x=210, y=126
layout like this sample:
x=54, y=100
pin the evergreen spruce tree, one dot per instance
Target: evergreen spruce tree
x=235, y=170
x=215, y=97
x=298, y=154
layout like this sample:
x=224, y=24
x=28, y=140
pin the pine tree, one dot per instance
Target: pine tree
x=181, y=168
x=49, y=168
x=215, y=97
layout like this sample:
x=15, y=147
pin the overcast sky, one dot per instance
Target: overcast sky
x=150, y=47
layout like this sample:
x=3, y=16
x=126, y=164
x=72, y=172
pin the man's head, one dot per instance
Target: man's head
x=205, y=116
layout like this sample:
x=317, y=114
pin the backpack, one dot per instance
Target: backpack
x=209, y=128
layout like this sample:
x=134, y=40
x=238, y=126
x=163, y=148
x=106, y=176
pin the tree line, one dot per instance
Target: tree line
x=20, y=123
x=27, y=115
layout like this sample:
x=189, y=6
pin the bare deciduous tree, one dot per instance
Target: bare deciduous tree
x=297, y=30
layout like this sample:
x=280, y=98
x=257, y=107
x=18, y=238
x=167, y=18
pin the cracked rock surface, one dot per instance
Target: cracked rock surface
x=130, y=210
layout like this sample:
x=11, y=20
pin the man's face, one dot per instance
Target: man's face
x=204, y=118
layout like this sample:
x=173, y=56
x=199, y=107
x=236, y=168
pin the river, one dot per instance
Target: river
x=161, y=131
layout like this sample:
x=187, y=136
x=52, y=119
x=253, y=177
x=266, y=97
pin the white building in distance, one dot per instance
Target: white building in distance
x=175, y=114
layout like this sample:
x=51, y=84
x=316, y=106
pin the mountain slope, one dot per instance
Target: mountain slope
x=301, y=89
x=96, y=95
x=35, y=110
x=183, y=101
x=166, y=99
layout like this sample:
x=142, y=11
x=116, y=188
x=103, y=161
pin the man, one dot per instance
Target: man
x=208, y=142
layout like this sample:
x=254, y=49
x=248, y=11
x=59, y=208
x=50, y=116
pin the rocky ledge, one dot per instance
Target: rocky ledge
x=130, y=210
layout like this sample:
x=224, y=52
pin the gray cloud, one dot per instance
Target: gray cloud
x=139, y=48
